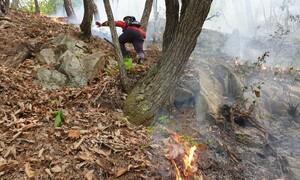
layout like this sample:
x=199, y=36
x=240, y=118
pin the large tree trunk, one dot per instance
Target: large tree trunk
x=154, y=91
x=123, y=75
x=86, y=23
x=146, y=14
x=69, y=10
x=3, y=7
x=172, y=18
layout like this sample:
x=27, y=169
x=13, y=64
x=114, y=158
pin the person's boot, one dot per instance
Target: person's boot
x=141, y=58
x=141, y=61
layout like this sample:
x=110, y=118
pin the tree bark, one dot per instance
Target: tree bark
x=7, y=3
x=3, y=7
x=155, y=89
x=20, y=54
x=172, y=19
x=69, y=10
x=146, y=14
x=96, y=11
x=86, y=23
x=15, y=4
x=123, y=74
x=37, y=7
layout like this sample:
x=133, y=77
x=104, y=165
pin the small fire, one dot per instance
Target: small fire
x=182, y=158
x=178, y=176
x=188, y=160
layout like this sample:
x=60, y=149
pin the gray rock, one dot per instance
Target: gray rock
x=50, y=79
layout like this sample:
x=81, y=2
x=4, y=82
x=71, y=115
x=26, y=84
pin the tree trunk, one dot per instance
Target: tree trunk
x=69, y=10
x=86, y=23
x=15, y=4
x=172, y=18
x=123, y=74
x=96, y=11
x=146, y=14
x=154, y=91
x=37, y=7
x=20, y=53
x=7, y=3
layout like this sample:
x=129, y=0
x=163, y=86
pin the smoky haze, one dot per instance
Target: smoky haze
x=253, y=27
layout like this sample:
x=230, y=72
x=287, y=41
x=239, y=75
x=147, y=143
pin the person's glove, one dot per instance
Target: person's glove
x=105, y=23
x=98, y=24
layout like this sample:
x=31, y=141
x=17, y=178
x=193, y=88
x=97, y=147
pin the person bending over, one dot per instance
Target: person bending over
x=132, y=33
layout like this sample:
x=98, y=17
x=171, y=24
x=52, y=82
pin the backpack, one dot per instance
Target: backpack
x=135, y=23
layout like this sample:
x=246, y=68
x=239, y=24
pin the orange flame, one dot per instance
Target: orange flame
x=178, y=176
x=188, y=160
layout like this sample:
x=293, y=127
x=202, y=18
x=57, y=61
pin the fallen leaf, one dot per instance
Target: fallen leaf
x=120, y=171
x=56, y=169
x=86, y=156
x=90, y=175
x=202, y=147
x=28, y=170
x=49, y=172
x=257, y=93
x=74, y=134
x=103, y=152
x=41, y=152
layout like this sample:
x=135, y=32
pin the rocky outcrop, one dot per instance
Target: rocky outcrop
x=72, y=66
x=212, y=84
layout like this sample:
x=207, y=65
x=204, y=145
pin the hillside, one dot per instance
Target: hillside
x=93, y=141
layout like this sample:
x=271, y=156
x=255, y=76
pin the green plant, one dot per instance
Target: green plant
x=58, y=117
x=150, y=129
x=164, y=120
x=187, y=140
x=209, y=141
x=128, y=63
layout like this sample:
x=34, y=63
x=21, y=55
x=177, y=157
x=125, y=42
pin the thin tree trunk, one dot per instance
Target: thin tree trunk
x=69, y=10
x=7, y=3
x=154, y=91
x=95, y=11
x=172, y=18
x=15, y=4
x=86, y=23
x=123, y=74
x=37, y=7
x=146, y=14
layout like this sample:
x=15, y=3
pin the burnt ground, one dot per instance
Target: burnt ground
x=95, y=141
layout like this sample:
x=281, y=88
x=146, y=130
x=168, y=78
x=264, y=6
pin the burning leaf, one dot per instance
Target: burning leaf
x=188, y=160
x=28, y=170
x=74, y=134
